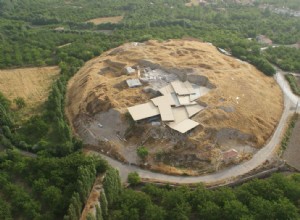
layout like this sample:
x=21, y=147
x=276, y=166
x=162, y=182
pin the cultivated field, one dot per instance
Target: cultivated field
x=31, y=84
x=113, y=20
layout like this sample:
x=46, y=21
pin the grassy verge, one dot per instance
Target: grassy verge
x=289, y=131
x=293, y=84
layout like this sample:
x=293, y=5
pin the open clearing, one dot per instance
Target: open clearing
x=31, y=84
x=292, y=153
x=192, y=3
x=103, y=20
x=243, y=106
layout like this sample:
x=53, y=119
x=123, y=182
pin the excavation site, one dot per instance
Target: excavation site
x=180, y=107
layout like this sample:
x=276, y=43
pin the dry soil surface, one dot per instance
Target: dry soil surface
x=31, y=84
x=243, y=107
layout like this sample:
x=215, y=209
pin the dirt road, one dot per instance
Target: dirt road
x=226, y=175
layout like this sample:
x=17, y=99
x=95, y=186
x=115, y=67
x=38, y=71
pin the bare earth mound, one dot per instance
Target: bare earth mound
x=241, y=106
x=31, y=84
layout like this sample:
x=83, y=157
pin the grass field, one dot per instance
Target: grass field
x=31, y=84
x=113, y=20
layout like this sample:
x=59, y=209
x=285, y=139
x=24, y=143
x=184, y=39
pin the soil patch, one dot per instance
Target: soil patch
x=292, y=153
x=103, y=20
x=31, y=84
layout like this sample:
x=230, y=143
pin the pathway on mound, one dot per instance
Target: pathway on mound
x=228, y=174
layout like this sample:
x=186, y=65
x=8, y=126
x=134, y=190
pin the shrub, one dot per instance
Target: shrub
x=142, y=152
x=133, y=178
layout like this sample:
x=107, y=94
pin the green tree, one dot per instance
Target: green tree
x=234, y=209
x=154, y=212
x=52, y=197
x=209, y=210
x=142, y=152
x=112, y=185
x=98, y=213
x=133, y=178
x=103, y=205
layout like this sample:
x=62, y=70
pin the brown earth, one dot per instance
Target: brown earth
x=102, y=20
x=31, y=84
x=243, y=108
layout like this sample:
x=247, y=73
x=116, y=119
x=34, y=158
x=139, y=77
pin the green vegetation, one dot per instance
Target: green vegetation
x=112, y=185
x=142, y=152
x=56, y=183
x=36, y=188
x=289, y=131
x=20, y=102
x=133, y=178
x=293, y=83
x=274, y=198
x=285, y=57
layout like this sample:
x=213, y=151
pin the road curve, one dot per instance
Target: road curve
x=227, y=174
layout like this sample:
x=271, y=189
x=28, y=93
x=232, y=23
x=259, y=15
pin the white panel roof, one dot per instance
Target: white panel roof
x=167, y=89
x=197, y=93
x=166, y=99
x=180, y=114
x=164, y=104
x=179, y=94
x=133, y=82
x=143, y=111
x=185, y=100
x=184, y=126
x=175, y=98
x=189, y=87
x=193, y=109
x=166, y=112
x=180, y=88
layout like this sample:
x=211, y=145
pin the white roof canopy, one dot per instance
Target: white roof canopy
x=175, y=106
x=180, y=88
x=143, y=111
x=184, y=126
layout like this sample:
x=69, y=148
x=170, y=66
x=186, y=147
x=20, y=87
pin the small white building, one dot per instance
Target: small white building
x=129, y=70
x=132, y=83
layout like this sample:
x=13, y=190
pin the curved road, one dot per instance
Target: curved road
x=226, y=175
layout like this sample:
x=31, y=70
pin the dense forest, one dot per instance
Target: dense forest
x=54, y=181
x=284, y=57
x=275, y=198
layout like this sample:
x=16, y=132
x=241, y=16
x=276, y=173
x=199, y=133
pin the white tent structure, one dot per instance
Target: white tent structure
x=175, y=106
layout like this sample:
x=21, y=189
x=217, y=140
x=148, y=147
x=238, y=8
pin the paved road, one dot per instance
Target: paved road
x=290, y=101
x=285, y=87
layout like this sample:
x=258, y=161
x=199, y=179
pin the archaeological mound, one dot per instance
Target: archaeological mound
x=192, y=106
